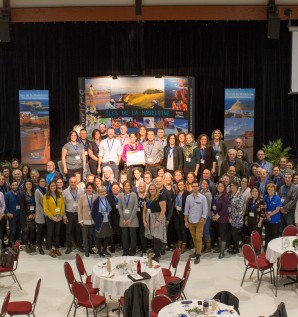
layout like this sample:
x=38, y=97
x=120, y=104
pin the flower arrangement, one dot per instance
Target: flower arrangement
x=122, y=266
x=196, y=310
x=295, y=243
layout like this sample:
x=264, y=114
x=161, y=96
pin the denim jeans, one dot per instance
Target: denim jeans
x=206, y=233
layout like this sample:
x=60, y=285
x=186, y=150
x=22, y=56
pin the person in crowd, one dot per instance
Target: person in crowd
x=110, y=153
x=108, y=178
x=79, y=182
x=295, y=180
x=85, y=204
x=142, y=134
x=276, y=178
x=238, y=144
x=290, y=165
x=235, y=216
x=17, y=175
x=153, y=153
x=207, y=156
x=51, y=173
x=191, y=154
x=71, y=196
x=97, y=183
x=232, y=174
x=239, y=156
x=132, y=146
x=40, y=218
x=103, y=131
x=93, y=151
x=253, y=177
x=154, y=219
x=206, y=232
x=73, y=156
x=160, y=137
x=261, y=161
x=190, y=178
x=34, y=176
x=206, y=175
x=123, y=177
x=181, y=139
x=220, y=215
x=7, y=176
x=3, y=186
x=101, y=215
x=141, y=194
x=25, y=169
x=2, y=219
x=123, y=137
x=283, y=161
x=220, y=150
x=161, y=171
x=195, y=213
x=12, y=212
x=255, y=212
x=15, y=164
x=288, y=194
x=27, y=216
x=128, y=205
x=173, y=155
x=85, y=142
x=137, y=178
x=245, y=192
x=178, y=176
x=227, y=181
x=53, y=206
x=263, y=182
x=113, y=199
x=147, y=179
x=90, y=178
x=273, y=206
x=60, y=185
x=232, y=161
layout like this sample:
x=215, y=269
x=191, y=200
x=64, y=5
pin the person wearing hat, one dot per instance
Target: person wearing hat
x=110, y=104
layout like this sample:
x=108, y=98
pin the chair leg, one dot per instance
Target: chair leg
x=87, y=311
x=16, y=280
x=251, y=273
x=75, y=311
x=260, y=282
x=69, y=309
x=276, y=282
x=243, y=276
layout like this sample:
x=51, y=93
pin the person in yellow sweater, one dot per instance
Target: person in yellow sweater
x=54, y=209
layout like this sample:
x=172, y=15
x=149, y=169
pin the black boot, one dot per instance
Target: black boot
x=40, y=250
x=222, y=249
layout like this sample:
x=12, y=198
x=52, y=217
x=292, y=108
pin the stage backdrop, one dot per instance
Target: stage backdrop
x=153, y=102
x=239, y=118
x=34, y=126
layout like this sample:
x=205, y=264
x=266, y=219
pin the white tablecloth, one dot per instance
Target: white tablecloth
x=118, y=284
x=275, y=248
x=177, y=308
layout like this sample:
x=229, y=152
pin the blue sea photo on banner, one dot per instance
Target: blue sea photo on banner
x=239, y=117
x=34, y=126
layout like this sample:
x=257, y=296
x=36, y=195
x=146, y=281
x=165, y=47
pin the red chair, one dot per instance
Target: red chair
x=71, y=279
x=81, y=269
x=163, y=290
x=290, y=231
x=11, y=270
x=174, y=264
x=287, y=265
x=175, y=278
x=159, y=302
x=251, y=261
x=5, y=304
x=24, y=307
x=83, y=298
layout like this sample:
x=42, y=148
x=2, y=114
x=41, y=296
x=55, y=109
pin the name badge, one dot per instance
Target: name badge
x=178, y=208
x=217, y=157
x=32, y=208
x=86, y=152
x=282, y=200
x=75, y=204
x=18, y=207
x=126, y=211
x=150, y=160
x=149, y=210
x=213, y=207
x=188, y=159
x=57, y=209
x=77, y=157
x=116, y=206
x=251, y=214
x=89, y=212
x=138, y=209
x=202, y=161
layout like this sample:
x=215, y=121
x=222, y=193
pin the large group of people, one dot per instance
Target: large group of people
x=188, y=193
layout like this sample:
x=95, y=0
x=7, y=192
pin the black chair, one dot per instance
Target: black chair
x=280, y=311
x=228, y=298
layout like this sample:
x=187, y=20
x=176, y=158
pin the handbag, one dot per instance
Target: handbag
x=7, y=258
x=174, y=287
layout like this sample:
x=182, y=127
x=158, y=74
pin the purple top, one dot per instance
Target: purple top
x=129, y=147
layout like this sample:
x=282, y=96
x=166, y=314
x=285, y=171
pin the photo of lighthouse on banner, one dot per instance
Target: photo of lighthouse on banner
x=165, y=102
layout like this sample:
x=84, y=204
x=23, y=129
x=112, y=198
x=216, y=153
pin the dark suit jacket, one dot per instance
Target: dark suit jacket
x=178, y=157
x=290, y=198
x=209, y=158
x=238, y=167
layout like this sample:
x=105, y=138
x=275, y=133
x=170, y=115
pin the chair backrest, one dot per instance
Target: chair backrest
x=256, y=241
x=280, y=311
x=187, y=267
x=80, y=292
x=289, y=231
x=5, y=304
x=80, y=266
x=175, y=259
x=288, y=261
x=249, y=254
x=185, y=279
x=69, y=275
x=36, y=294
x=159, y=302
x=228, y=298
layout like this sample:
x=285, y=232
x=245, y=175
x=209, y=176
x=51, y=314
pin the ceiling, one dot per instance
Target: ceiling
x=93, y=3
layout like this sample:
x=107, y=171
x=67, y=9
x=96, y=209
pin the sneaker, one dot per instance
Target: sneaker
x=235, y=251
x=92, y=252
x=40, y=250
x=197, y=260
x=57, y=252
x=33, y=248
x=68, y=250
x=52, y=253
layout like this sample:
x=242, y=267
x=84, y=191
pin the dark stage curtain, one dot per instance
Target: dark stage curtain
x=218, y=54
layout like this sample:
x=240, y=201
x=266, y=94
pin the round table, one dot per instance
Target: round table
x=176, y=308
x=275, y=248
x=119, y=283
